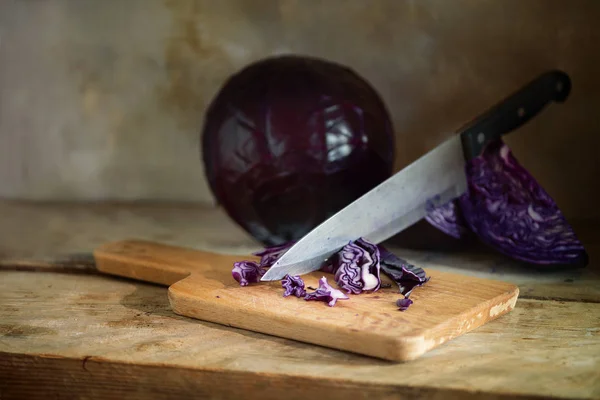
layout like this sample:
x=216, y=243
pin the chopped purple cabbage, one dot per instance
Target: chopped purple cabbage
x=246, y=272
x=326, y=293
x=404, y=303
x=406, y=275
x=269, y=255
x=357, y=267
x=510, y=211
x=293, y=285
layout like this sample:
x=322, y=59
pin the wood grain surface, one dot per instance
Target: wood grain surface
x=201, y=286
x=84, y=335
x=96, y=336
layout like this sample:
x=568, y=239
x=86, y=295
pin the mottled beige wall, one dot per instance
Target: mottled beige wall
x=104, y=98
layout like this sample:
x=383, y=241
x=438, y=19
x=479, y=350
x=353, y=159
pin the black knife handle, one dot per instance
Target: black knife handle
x=514, y=111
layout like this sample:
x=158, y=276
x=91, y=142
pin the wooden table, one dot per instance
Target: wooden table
x=68, y=332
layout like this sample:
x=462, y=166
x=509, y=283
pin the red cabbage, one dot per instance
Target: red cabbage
x=289, y=140
x=246, y=272
x=448, y=219
x=326, y=293
x=403, y=303
x=357, y=267
x=331, y=265
x=293, y=285
x=511, y=212
x=270, y=254
x=406, y=275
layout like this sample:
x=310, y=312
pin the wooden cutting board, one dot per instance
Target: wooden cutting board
x=201, y=286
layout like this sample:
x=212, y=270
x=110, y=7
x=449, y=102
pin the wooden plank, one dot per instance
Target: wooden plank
x=201, y=286
x=43, y=377
x=121, y=327
x=56, y=235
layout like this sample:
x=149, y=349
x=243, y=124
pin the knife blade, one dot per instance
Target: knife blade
x=432, y=180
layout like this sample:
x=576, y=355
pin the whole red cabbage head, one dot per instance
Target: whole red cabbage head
x=290, y=140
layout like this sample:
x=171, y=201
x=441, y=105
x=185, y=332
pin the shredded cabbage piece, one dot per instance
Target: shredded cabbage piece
x=293, y=285
x=326, y=293
x=357, y=267
x=407, y=276
x=404, y=303
x=246, y=272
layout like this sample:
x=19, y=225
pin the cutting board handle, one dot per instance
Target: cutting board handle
x=153, y=262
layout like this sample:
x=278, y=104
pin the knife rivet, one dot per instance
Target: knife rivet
x=480, y=137
x=521, y=112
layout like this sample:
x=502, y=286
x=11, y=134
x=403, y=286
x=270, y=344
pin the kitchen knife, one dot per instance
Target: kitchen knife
x=431, y=181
